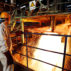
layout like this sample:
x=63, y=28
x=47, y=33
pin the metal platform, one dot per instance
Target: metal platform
x=19, y=67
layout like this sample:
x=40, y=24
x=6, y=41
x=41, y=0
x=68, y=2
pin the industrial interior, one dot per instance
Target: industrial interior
x=40, y=31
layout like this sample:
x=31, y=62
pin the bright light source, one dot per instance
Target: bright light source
x=22, y=7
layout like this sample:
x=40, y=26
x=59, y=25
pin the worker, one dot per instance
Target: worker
x=5, y=42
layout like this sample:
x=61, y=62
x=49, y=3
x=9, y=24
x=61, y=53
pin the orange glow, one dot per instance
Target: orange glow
x=49, y=43
x=52, y=43
x=30, y=20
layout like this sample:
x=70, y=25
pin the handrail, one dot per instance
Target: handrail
x=46, y=50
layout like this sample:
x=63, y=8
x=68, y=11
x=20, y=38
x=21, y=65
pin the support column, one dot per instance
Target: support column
x=67, y=19
x=22, y=29
x=55, y=5
x=12, y=1
x=53, y=22
x=48, y=4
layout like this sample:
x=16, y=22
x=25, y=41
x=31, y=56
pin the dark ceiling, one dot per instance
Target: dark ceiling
x=6, y=4
x=22, y=2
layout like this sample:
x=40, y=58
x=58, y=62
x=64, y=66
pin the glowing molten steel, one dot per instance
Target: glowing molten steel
x=52, y=43
x=47, y=42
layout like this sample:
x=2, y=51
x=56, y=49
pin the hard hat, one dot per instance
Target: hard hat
x=4, y=15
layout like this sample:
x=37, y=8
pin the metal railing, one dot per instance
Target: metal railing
x=64, y=54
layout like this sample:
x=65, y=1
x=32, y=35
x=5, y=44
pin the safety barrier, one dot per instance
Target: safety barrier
x=64, y=54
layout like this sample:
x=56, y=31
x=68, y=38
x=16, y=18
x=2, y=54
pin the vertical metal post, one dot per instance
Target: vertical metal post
x=59, y=1
x=13, y=26
x=16, y=13
x=40, y=4
x=22, y=29
x=55, y=5
x=26, y=52
x=67, y=19
x=64, y=53
x=12, y=1
x=48, y=4
x=53, y=22
x=21, y=13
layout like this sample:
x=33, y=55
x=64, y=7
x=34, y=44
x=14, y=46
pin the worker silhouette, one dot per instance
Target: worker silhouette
x=5, y=43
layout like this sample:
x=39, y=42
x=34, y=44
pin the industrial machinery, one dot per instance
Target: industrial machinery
x=55, y=22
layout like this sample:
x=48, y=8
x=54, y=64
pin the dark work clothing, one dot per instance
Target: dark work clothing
x=9, y=58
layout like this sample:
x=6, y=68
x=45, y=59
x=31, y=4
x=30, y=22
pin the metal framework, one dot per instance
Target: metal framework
x=66, y=36
x=64, y=54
